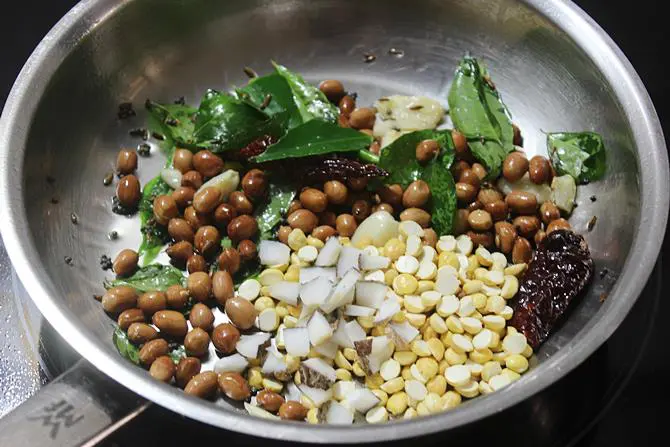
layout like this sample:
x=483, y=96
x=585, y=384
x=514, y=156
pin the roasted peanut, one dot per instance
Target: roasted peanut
x=125, y=263
x=521, y=202
x=202, y=385
x=242, y=227
x=416, y=195
x=254, y=184
x=234, y=386
x=549, y=212
x=225, y=336
x=130, y=316
x=199, y=286
x=177, y=296
x=269, y=400
x=241, y=202
x=247, y=250
x=180, y=230
x=207, y=239
x=313, y=200
x=539, y=170
x=480, y=220
x=222, y=286
x=152, y=302
x=187, y=368
x=119, y=298
x=207, y=163
x=196, y=342
x=141, y=333
x=522, y=251
x=515, y=166
x=162, y=369
x=241, y=312
x=170, y=322
x=196, y=263
x=527, y=226
x=182, y=160
x=346, y=225
x=303, y=219
x=292, y=410
x=128, y=191
x=152, y=350
x=505, y=236
x=201, y=316
x=126, y=161
x=418, y=215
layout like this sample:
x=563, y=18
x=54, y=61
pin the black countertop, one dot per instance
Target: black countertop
x=630, y=372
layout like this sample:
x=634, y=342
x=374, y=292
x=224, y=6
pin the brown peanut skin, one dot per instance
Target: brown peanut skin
x=203, y=385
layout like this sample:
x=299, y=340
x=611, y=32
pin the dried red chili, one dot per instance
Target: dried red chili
x=560, y=271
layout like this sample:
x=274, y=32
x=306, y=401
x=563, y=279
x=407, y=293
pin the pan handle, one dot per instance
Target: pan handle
x=80, y=407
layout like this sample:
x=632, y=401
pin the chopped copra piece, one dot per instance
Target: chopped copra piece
x=348, y=260
x=316, y=291
x=335, y=413
x=273, y=253
x=309, y=273
x=316, y=395
x=329, y=253
x=374, y=262
x=248, y=345
x=316, y=373
x=370, y=293
x=343, y=293
x=286, y=291
x=232, y=363
x=296, y=341
x=319, y=329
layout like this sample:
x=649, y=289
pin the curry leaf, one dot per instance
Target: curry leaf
x=579, y=154
x=125, y=347
x=311, y=101
x=149, y=278
x=177, y=354
x=271, y=212
x=399, y=159
x=225, y=123
x=443, y=194
x=173, y=121
x=274, y=90
x=154, y=235
x=315, y=137
x=479, y=113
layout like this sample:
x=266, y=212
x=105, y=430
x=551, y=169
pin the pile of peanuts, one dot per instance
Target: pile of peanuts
x=513, y=223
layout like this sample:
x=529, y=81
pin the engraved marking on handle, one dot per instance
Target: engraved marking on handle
x=55, y=415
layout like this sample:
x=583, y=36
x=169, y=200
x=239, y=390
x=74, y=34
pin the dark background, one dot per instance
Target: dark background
x=642, y=32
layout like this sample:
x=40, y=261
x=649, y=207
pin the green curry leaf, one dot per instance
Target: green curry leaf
x=399, y=160
x=125, y=347
x=579, y=154
x=281, y=102
x=173, y=121
x=311, y=101
x=479, y=113
x=399, y=157
x=149, y=278
x=270, y=213
x=224, y=123
x=315, y=137
x=154, y=235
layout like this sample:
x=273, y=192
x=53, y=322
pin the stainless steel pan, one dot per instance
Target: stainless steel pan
x=556, y=69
